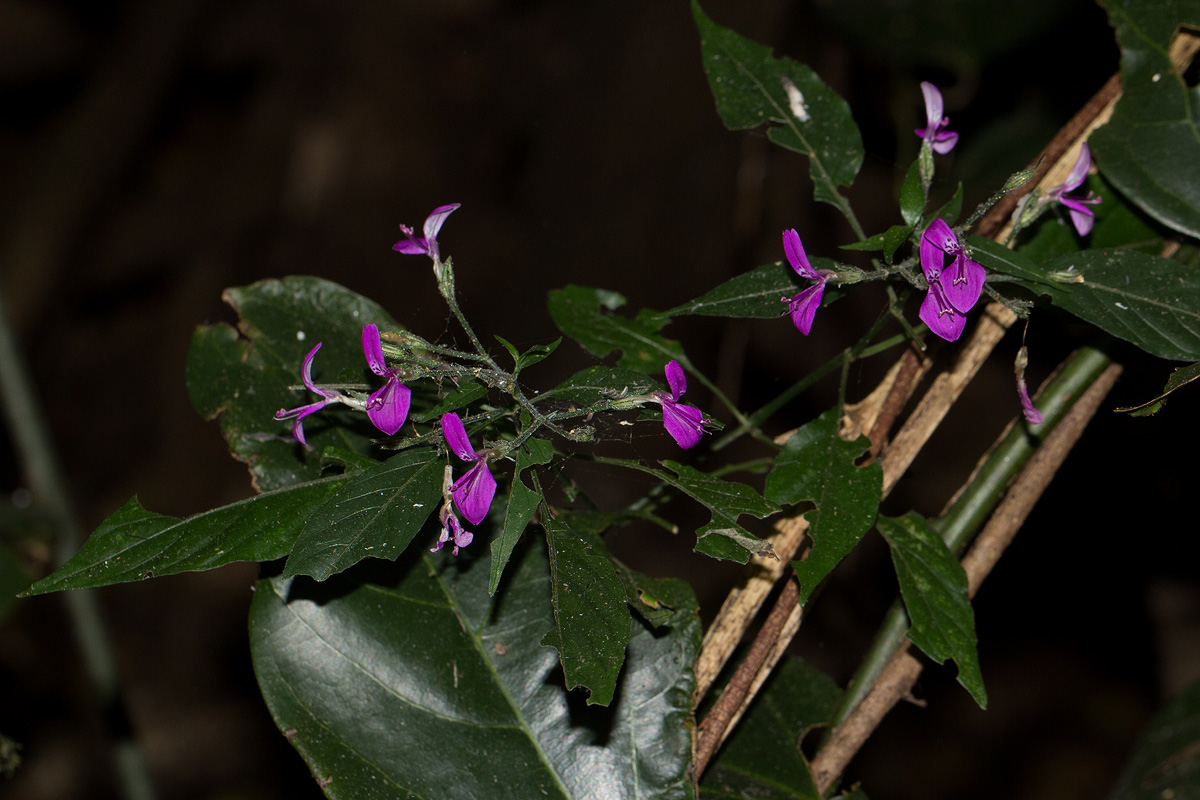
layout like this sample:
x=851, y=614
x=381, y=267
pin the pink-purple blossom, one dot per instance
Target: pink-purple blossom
x=387, y=407
x=802, y=306
x=299, y=413
x=452, y=530
x=473, y=492
x=953, y=289
x=935, y=132
x=412, y=244
x=685, y=423
x=1032, y=415
x=1082, y=217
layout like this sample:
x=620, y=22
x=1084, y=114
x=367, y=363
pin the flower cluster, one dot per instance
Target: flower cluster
x=953, y=289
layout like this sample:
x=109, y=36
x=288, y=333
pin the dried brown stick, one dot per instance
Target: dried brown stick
x=712, y=730
x=901, y=672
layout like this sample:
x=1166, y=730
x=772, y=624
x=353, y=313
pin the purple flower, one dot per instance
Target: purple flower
x=427, y=244
x=327, y=396
x=935, y=132
x=1032, y=415
x=1082, y=217
x=684, y=423
x=387, y=407
x=452, y=529
x=474, y=491
x=953, y=290
x=803, y=306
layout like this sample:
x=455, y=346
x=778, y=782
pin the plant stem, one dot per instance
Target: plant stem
x=41, y=469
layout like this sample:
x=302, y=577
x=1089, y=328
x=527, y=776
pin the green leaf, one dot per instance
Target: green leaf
x=522, y=503
x=951, y=209
x=659, y=601
x=407, y=680
x=1149, y=301
x=722, y=537
x=531, y=356
x=244, y=376
x=590, y=615
x=375, y=515
x=1150, y=149
x=995, y=257
x=461, y=396
x=585, y=314
x=588, y=387
x=134, y=543
x=1179, y=378
x=912, y=196
x=752, y=295
x=1166, y=759
x=818, y=465
x=753, y=88
x=762, y=757
x=934, y=587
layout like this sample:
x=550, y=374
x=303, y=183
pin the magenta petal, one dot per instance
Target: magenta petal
x=474, y=491
x=941, y=318
x=803, y=307
x=934, y=105
x=434, y=222
x=676, y=379
x=1079, y=171
x=456, y=437
x=411, y=246
x=373, y=350
x=794, y=251
x=1032, y=415
x=944, y=142
x=387, y=408
x=684, y=423
x=1082, y=217
x=306, y=372
x=963, y=283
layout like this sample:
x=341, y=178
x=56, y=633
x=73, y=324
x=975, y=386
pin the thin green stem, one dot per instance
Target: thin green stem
x=975, y=501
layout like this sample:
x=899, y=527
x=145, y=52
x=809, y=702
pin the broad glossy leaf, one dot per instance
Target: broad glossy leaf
x=753, y=295
x=590, y=615
x=1149, y=301
x=912, y=196
x=934, y=587
x=522, y=503
x=375, y=515
x=1150, y=149
x=723, y=537
x=134, y=543
x=408, y=680
x=762, y=757
x=590, y=386
x=1179, y=378
x=752, y=88
x=461, y=396
x=658, y=601
x=1166, y=761
x=818, y=465
x=587, y=316
x=244, y=376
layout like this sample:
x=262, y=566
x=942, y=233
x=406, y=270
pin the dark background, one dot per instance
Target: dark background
x=155, y=153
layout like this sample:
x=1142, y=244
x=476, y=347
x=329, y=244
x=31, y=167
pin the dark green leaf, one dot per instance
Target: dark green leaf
x=762, y=757
x=934, y=587
x=752, y=88
x=590, y=615
x=1179, y=378
x=753, y=295
x=818, y=465
x=590, y=386
x=952, y=208
x=461, y=396
x=658, y=601
x=135, y=543
x=1150, y=301
x=522, y=503
x=892, y=239
x=585, y=314
x=417, y=684
x=1150, y=149
x=722, y=537
x=245, y=378
x=912, y=196
x=375, y=515
x=1166, y=760
x=995, y=257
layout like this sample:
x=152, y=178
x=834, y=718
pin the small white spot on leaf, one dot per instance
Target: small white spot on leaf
x=795, y=99
x=300, y=336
